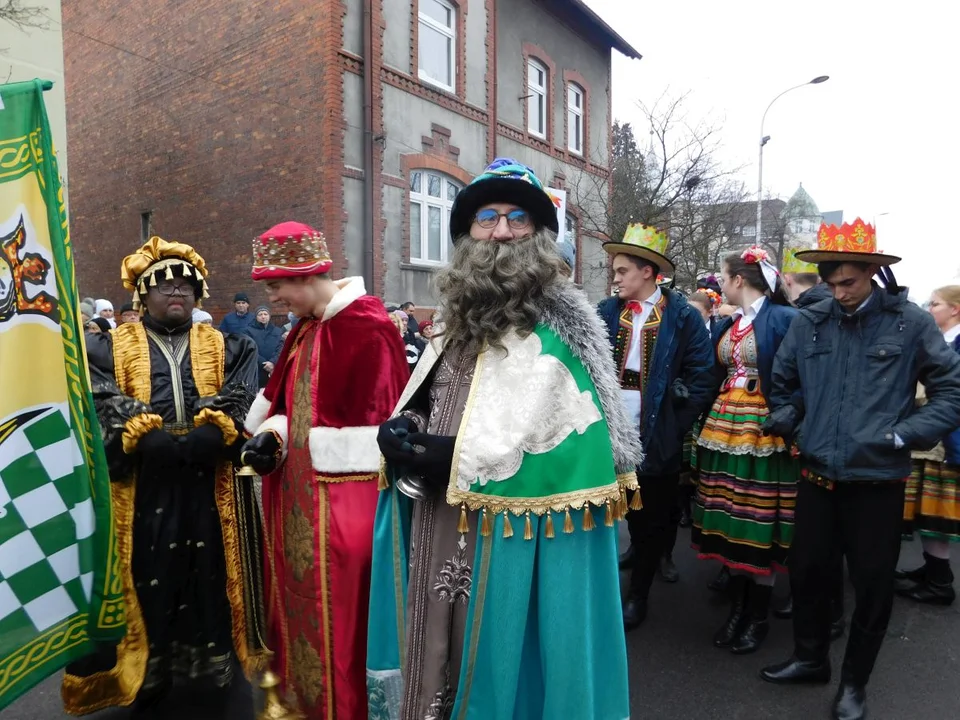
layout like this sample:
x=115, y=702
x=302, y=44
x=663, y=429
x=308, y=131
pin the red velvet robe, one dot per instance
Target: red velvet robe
x=337, y=380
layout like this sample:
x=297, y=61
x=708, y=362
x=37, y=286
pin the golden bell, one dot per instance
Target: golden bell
x=246, y=471
x=273, y=707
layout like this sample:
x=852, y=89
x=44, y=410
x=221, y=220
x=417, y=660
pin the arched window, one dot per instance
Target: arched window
x=431, y=199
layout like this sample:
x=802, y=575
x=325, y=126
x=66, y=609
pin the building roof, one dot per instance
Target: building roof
x=597, y=24
x=801, y=205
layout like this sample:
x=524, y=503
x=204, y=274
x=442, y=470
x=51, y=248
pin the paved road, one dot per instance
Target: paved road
x=677, y=674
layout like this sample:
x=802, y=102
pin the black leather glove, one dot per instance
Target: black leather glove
x=436, y=460
x=158, y=449
x=262, y=453
x=781, y=422
x=680, y=391
x=203, y=445
x=393, y=440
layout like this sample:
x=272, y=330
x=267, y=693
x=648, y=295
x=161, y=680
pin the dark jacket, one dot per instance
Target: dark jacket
x=680, y=385
x=818, y=292
x=858, y=376
x=269, y=340
x=951, y=442
x=769, y=327
x=236, y=324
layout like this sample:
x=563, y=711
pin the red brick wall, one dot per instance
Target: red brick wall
x=209, y=114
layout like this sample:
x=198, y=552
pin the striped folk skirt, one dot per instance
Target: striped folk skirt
x=747, y=492
x=932, y=503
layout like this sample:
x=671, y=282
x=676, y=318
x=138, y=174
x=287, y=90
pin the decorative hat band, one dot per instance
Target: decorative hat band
x=859, y=237
x=648, y=237
x=760, y=257
x=294, y=255
x=171, y=268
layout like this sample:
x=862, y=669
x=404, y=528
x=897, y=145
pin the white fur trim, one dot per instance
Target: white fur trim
x=279, y=424
x=258, y=413
x=349, y=289
x=345, y=450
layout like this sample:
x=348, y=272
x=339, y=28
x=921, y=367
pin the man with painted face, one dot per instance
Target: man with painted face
x=171, y=397
x=495, y=591
x=314, y=431
x=844, y=384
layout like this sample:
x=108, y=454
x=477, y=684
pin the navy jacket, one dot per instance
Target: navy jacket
x=680, y=385
x=236, y=324
x=858, y=376
x=269, y=340
x=951, y=442
x=770, y=327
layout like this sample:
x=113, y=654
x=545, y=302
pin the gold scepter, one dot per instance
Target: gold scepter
x=273, y=706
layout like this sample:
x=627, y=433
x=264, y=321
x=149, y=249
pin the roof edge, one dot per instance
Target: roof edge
x=618, y=42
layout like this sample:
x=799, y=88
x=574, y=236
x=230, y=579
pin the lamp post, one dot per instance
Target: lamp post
x=763, y=141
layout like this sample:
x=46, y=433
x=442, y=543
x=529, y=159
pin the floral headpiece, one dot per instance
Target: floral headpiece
x=757, y=255
x=715, y=298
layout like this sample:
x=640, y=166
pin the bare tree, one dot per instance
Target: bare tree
x=675, y=183
x=22, y=16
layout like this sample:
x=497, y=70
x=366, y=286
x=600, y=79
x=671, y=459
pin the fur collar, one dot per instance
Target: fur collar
x=348, y=290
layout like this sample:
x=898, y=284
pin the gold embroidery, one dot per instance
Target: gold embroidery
x=298, y=543
x=308, y=670
x=301, y=417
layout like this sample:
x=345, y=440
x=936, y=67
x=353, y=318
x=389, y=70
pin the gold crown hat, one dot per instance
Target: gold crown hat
x=644, y=242
x=848, y=243
x=794, y=265
x=139, y=271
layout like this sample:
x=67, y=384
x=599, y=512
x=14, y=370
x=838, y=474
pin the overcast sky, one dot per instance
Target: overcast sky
x=877, y=140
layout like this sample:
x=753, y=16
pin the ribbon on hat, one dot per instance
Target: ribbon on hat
x=760, y=257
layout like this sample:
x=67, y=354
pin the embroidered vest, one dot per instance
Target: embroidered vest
x=631, y=379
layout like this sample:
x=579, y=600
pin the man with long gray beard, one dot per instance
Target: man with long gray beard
x=494, y=583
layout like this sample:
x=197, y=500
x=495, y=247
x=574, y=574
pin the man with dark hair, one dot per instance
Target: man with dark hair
x=844, y=382
x=240, y=319
x=664, y=359
x=413, y=327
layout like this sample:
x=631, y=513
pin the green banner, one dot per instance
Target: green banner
x=60, y=589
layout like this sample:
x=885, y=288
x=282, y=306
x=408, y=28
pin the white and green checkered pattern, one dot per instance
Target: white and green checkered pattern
x=45, y=516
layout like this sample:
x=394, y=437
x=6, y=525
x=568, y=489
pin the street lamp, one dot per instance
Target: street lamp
x=763, y=141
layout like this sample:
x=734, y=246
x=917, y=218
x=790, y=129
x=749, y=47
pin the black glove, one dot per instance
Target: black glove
x=393, y=440
x=780, y=422
x=680, y=391
x=261, y=452
x=436, y=460
x=203, y=445
x=158, y=449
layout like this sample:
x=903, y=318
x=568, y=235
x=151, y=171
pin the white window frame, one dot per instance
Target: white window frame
x=425, y=201
x=749, y=230
x=575, y=118
x=451, y=34
x=535, y=94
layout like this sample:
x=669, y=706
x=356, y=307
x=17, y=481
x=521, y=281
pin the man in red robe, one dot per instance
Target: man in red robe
x=314, y=438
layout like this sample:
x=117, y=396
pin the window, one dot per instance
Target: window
x=438, y=43
x=537, y=99
x=575, y=97
x=749, y=230
x=431, y=199
x=146, y=226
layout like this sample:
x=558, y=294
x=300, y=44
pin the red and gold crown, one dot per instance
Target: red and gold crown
x=290, y=250
x=856, y=242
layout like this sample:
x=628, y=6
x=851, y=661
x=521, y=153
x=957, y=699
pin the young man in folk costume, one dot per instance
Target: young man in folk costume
x=314, y=433
x=495, y=591
x=664, y=359
x=171, y=397
x=844, y=383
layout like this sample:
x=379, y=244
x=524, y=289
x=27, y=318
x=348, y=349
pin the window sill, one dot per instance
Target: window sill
x=422, y=267
x=432, y=84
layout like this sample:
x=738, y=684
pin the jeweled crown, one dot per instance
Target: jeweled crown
x=858, y=237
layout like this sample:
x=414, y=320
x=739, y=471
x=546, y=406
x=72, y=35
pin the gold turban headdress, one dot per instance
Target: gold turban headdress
x=139, y=271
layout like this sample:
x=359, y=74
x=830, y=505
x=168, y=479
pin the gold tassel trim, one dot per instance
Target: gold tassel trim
x=382, y=482
x=608, y=516
x=528, y=528
x=486, y=526
x=168, y=275
x=463, y=527
x=568, y=523
x=588, y=523
x=635, y=502
x=548, y=527
x=186, y=271
x=507, y=527
x=153, y=280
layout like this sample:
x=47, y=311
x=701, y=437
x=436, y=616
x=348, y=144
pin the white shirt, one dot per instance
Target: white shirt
x=750, y=314
x=633, y=399
x=952, y=334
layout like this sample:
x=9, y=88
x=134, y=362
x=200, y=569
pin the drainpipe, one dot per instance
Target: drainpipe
x=492, y=151
x=369, y=200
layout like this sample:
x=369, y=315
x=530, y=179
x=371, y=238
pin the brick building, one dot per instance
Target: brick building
x=207, y=122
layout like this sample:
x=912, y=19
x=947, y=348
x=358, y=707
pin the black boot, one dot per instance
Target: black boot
x=850, y=702
x=668, y=570
x=936, y=586
x=634, y=612
x=785, y=611
x=738, y=587
x=858, y=661
x=721, y=582
x=755, y=631
x=626, y=558
x=798, y=672
x=686, y=499
x=915, y=575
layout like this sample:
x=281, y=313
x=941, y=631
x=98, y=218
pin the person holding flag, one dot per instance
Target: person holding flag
x=59, y=590
x=172, y=396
